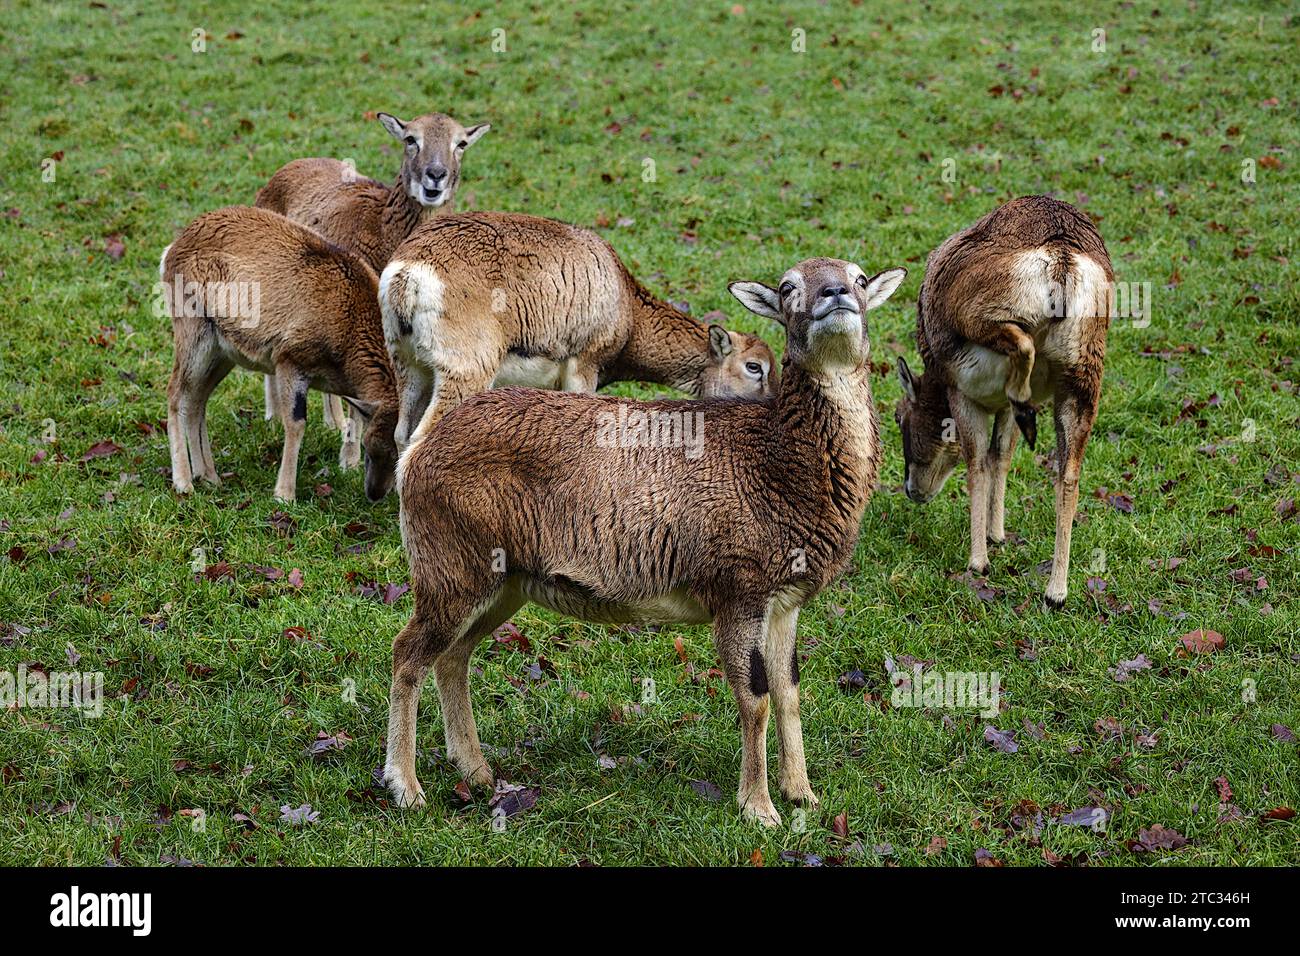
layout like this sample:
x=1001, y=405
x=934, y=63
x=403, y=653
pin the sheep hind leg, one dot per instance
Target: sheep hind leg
x=268, y=397
x=1001, y=449
x=291, y=401
x=449, y=391
x=451, y=673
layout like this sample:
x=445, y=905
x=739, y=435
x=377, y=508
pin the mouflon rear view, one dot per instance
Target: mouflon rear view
x=521, y=495
x=1013, y=312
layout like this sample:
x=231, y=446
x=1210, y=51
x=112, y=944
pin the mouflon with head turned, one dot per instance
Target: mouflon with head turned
x=520, y=495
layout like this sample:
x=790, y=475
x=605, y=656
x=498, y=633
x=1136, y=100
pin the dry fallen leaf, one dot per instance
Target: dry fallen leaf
x=1202, y=642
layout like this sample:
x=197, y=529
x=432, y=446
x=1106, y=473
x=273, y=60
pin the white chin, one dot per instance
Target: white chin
x=841, y=322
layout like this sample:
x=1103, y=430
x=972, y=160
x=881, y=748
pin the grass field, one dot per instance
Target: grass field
x=895, y=127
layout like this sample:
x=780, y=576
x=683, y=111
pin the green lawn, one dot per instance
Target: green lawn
x=895, y=128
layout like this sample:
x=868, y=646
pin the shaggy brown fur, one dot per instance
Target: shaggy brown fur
x=489, y=298
x=1013, y=311
x=309, y=314
x=521, y=495
x=368, y=217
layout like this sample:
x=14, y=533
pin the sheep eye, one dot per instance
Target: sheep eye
x=862, y=281
x=786, y=288
x=462, y=144
x=753, y=368
x=410, y=141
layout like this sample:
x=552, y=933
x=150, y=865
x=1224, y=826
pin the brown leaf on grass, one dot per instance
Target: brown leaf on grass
x=1108, y=727
x=296, y=633
x=1202, y=642
x=221, y=571
x=462, y=792
x=295, y=579
x=101, y=449
x=680, y=648
x=1223, y=788
x=985, y=858
x=1125, y=669
x=1277, y=813
x=1002, y=740
x=1284, y=733
x=756, y=858
x=283, y=523
x=936, y=846
x=324, y=743
x=114, y=247
x=512, y=637
x=512, y=798
x=708, y=790
x=1157, y=837
x=840, y=825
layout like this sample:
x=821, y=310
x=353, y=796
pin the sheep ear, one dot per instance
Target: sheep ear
x=719, y=343
x=365, y=409
x=392, y=124
x=882, y=285
x=759, y=299
x=906, y=379
x=474, y=132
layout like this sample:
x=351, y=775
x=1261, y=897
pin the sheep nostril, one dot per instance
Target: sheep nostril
x=836, y=291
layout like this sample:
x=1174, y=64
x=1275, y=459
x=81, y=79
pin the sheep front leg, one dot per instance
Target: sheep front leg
x=1076, y=410
x=783, y=683
x=270, y=402
x=740, y=642
x=352, y=425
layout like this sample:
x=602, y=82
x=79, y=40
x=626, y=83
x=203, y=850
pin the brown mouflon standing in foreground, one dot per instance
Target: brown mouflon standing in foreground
x=735, y=511
x=248, y=287
x=1013, y=311
x=368, y=217
x=489, y=298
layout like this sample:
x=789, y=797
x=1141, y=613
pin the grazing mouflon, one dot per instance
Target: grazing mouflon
x=482, y=299
x=248, y=287
x=1013, y=312
x=520, y=495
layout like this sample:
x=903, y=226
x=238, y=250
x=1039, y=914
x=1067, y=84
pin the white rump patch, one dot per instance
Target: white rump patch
x=1087, y=291
x=1031, y=285
x=420, y=307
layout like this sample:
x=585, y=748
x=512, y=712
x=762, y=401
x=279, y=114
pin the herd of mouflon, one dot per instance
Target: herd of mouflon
x=463, y=352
